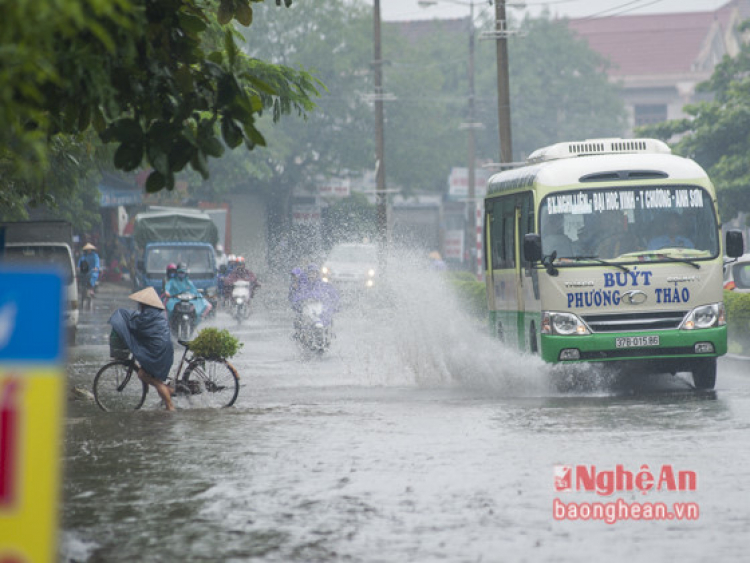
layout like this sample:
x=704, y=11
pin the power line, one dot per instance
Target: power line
x=606, y=13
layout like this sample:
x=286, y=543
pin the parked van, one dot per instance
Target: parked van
x=46, y=243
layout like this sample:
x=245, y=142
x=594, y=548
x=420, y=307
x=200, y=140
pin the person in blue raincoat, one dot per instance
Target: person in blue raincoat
x=92, y=265
x=181, y=283
x=146, y=332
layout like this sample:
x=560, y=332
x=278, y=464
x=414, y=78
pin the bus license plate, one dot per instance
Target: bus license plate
x=636, y=341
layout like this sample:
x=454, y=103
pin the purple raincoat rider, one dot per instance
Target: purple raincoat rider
x=312, y=288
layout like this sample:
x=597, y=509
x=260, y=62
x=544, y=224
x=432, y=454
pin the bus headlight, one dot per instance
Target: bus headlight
x=564, y=324
x=325, y=271
x=705, y=316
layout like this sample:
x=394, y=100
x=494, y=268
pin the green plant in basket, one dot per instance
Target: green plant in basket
x=215, y=343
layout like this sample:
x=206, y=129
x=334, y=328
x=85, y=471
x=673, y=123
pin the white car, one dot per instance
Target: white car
x=352, y=266
x=737, y=274
x=59, y=255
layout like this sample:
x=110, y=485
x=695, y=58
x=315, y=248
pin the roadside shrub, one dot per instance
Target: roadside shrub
x=471, y=293
x=738, y=319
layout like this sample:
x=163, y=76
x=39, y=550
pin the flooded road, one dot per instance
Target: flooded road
x=415, y=438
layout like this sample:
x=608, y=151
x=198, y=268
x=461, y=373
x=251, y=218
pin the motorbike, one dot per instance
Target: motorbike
x=184, y=318
x=241, y=296
x=314, y=327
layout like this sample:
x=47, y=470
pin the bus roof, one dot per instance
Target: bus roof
x=595, y=170
x=572, y=149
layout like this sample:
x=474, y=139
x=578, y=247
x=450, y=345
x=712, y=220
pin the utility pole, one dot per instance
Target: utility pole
x=503, y=83
x=471, y=234
x=381, y=198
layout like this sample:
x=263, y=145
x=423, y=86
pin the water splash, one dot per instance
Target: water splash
x=422, y=330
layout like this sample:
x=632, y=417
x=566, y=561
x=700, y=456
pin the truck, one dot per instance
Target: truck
x=35, y=243
x=172, y=235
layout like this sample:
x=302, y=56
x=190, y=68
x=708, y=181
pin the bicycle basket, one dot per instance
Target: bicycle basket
x=118, y=348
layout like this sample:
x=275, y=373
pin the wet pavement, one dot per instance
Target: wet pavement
x=416, y=438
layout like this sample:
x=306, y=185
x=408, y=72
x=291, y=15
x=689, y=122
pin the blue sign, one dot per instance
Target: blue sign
x=31, y=316
x=113, y=197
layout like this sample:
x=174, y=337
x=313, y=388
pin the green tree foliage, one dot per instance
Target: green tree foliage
x=559, y=91
x=716, y=133
x=331, y=38
x=559, y=88
x=163, y=80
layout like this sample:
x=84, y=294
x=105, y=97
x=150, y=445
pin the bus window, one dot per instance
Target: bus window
x=527, y=219
x=502, y=232
x=509, y=240
x=630, y=223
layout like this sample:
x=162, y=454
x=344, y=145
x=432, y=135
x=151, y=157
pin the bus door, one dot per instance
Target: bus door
x=528, y=279
x=506, y=226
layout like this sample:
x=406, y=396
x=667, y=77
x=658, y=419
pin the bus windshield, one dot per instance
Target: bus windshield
x=632, y=224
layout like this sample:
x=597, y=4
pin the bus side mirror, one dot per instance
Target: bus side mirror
x=735, y=246
x=532, y=247
x=140, y=265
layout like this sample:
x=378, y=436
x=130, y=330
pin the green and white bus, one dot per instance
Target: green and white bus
x=608, y=250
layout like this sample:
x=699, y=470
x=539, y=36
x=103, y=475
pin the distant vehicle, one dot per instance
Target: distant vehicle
x=37, y=243
x=352, y=267
x=737, y=274
x=241, y=295
x=176, y=235
x=315, y=326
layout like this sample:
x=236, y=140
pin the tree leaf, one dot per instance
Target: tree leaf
x=200, y=164
x=231, y=133
x=226, y=12
x=244, y=13
x=191, y=24
x=212, y=147
x=128, y=156
x=155, y=182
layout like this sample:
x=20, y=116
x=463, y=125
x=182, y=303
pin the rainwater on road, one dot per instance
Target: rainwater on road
x=415, y=438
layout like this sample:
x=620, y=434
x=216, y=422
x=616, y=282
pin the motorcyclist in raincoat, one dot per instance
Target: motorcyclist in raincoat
x=146, y=332
x=180, y=284
x=312, y=288
x=240, y=272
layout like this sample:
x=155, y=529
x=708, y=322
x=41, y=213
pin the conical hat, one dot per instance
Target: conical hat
x=148, y=297
x=89, y=246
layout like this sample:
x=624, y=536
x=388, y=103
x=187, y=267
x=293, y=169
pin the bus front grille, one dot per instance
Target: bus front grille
x=632, y=322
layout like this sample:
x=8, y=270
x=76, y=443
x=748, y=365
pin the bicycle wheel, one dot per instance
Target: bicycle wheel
x=212, y=383
x=117, y=387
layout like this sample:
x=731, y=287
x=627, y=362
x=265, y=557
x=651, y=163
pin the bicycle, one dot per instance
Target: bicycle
x=214, y=381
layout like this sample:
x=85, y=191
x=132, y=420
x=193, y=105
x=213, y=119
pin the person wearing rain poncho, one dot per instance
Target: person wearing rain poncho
x=89, y=265
x=312, y=288
x=181, y=283
x=146, y=332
